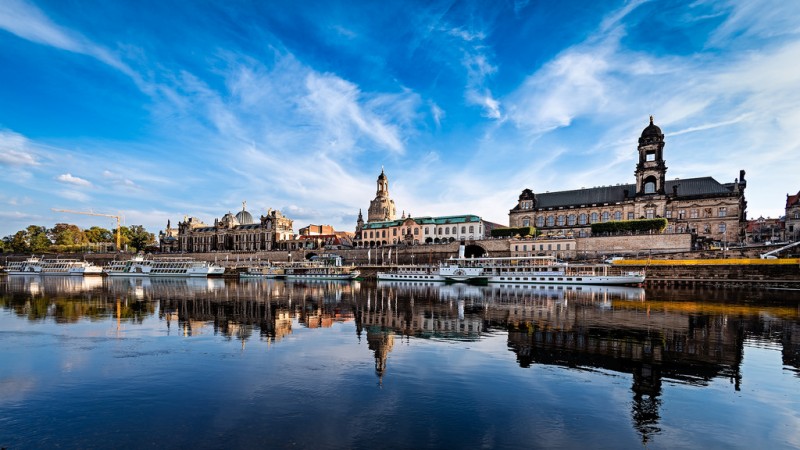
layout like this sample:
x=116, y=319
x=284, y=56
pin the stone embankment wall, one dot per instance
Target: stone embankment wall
x=638, y=243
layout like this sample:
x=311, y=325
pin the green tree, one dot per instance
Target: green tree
x=31, y=239
x=39, y=241
x=97, y=235
x=139, y=237
x=68, y=235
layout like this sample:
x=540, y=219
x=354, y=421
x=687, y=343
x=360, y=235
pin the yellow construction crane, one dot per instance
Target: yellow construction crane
x=96, y=214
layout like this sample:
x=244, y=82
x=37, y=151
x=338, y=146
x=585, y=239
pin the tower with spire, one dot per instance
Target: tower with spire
x=381, y=209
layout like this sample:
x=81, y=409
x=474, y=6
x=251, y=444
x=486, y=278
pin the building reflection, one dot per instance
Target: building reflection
x=687, y=336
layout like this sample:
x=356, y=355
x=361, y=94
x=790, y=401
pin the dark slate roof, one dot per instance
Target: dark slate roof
x=689, y=187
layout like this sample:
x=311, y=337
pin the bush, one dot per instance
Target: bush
x=511, y=232
x=633, y=226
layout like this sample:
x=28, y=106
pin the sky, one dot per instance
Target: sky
x=161, y=109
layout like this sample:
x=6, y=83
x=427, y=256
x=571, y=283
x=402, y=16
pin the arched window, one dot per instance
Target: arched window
x=463, y=229
x=605, y=216
x=526, y=222
x=447, y=230
x=618, y=215
x=540, y=221
x=560, y=220
x=571, y=219
x=454, y=230
x=594, y=218
x=472, y=228
x=551, y=221
x=582, y=219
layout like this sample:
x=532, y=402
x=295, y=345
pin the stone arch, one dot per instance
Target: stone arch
x=310, y=256
x=474, y=251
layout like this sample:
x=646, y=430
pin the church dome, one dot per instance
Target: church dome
x=244, y=217
x=230, y=220
x=652, y=130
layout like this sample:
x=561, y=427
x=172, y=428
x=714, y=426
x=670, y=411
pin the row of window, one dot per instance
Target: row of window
x=403, y=231
x=606, y=216
x=541, y=247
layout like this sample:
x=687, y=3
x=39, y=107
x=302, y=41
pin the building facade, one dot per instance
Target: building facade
x=382, y=228
x=710, y=210
x=232, y=232
x=792, y=217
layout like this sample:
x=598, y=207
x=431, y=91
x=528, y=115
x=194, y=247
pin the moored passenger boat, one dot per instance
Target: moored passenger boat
x=547, y=270
x=420, y=272
x=263, y=271
x=56, y=266
x=325, y=267
x=138, y=266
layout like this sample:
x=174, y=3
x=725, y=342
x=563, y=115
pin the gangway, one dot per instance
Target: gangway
x=771, y=254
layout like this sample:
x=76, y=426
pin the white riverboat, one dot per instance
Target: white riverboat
x=325, y=267
x=139, y=266
x=418, y=272
x=263, y=271
x=545, y=270
x=57, y=266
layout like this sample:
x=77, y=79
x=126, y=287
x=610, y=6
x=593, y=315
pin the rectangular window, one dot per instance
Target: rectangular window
x=649, y=213
x=668, y=214
x=724, y=227
x=567, y=246
x=630, y=216
x=681, y=214
x=694, y=213
x=723, y=211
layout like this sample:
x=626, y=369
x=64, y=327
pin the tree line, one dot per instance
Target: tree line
x=68, y=238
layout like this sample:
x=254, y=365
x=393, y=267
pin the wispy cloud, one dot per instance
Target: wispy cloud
x=28, y=22
x=70, y=179
x=15, y=151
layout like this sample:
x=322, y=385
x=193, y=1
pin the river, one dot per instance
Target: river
x=194, y=363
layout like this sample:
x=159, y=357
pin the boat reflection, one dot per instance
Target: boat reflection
x=37, y=285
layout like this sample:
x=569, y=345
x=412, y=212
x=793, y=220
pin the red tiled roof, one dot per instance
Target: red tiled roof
x=792, y=200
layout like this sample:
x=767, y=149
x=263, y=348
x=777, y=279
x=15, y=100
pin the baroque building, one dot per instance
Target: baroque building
x=711, y=210
x=792, y=217
x=382, y=207
x=239, y=232
x=382, y=228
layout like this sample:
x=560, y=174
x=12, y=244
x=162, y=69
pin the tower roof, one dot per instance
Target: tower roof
x=652, y=130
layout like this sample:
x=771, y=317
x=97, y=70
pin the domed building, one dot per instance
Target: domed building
x=383, y=229
x=704, y=207
x=243, y=216
x=239, y=232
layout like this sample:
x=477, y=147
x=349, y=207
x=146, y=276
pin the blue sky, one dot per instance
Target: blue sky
x=165, y=109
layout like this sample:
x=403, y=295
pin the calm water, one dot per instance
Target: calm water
x=131, y=363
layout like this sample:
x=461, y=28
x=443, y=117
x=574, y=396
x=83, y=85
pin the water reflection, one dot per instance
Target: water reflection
x=681, y=336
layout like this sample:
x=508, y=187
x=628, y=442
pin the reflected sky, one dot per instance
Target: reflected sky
x=205, y=363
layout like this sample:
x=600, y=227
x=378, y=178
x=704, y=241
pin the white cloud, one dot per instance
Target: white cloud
x=335, y=103
x=70, y=179
x=28, y=22
x=74, y=195
x=15, y=151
